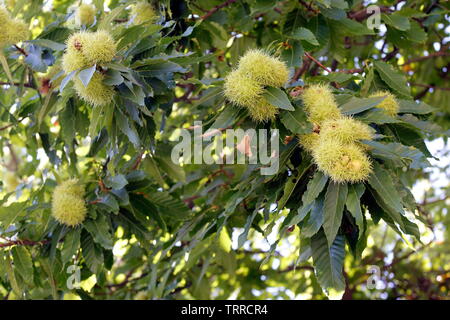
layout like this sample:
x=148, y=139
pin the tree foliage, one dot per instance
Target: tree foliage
x=83, y=122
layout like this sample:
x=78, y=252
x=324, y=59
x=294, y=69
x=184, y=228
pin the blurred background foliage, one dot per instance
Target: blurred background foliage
x=185, y=55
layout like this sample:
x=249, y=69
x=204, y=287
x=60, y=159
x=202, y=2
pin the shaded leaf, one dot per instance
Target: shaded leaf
x=410, y=106
x=23, y=263
x=315, y=220
x=116, y=182
x=92, y=253
x=304, y=34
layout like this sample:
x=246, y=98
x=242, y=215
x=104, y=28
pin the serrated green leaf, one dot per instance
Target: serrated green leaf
x=172, y=169
x=415, y=33
x=351, y=27
x=170, y=206
x=5, y=66
x=96, y=118
x=410, y=135
x=388, y=213
x=226, y=118
x=243, y=236
x=122, y=196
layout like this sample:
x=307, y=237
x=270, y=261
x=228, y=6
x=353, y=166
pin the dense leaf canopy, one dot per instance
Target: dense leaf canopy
x=95, y=97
